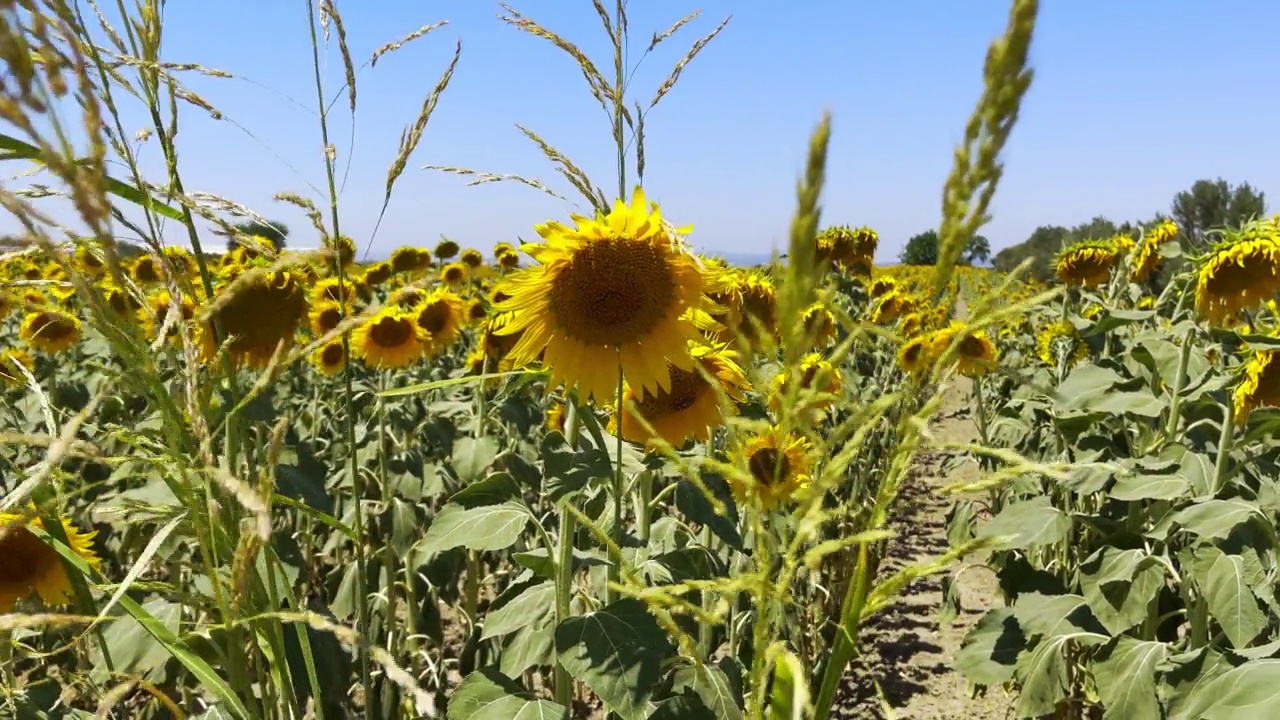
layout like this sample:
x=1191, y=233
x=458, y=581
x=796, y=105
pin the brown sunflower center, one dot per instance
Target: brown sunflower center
x=911, y=353
x=476, y=311
x=972, y=347
x=53, y=326
x=391, y=332
x=22, y=555
x=331, y=355
x=434, y=318
x=453, y=274
x=767, y=465
x=328, y=319
x=1250, y=269
x=686, y=387
x=613, y=292
x=472, y=258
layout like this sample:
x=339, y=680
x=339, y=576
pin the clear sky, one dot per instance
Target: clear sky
x=1132, y=102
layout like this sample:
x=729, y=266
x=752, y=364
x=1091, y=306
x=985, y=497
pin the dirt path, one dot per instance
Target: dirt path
x=908, y=657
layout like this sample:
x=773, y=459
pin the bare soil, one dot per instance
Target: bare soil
x=907, y=659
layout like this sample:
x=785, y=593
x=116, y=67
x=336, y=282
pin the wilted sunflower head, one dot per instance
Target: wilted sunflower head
x=50, y=331
x=853, y=249
x=446, y=249
x=690, y=408
x=389, y=339
x=29, y=566
x=472, y=258
x=408, y=259
x=256, y=313
x=1061, y=339
x=777, y=468
x=440, y=316
x=613, y=290
x=1239, y=273
x=1259, y=385
x=10, y=374
x=330, y=358
x=1087, y=263
x=1146, y=260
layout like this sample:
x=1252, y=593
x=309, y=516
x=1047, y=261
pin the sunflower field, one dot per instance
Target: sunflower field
x=597, y=474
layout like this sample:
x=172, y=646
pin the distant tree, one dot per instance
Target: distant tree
x=922, y=249
x=276, y=232
x=1099, y=228
x=1211, y=204
x=1043, y=244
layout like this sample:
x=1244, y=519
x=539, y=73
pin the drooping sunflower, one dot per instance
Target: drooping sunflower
x=50, y=331
x=325, y=316
x=502, y=248
x=145, y=270
x=820, y=385
x=10, y=374
x=1061, y=339
x=390, y=339
x=1087, y=263
x=916, y=355
x=446, y=249
x=889, y=307
x=440, y=315
x=852, y=249
x=509, y=261
x=477, y=311
x=377, y=273
x=778, y=464
x=28, y=565
x=975, y=353
x=1146, y=260
x=614, y=290
x=256, y=313
x=409, y=259
x=1260, y=385
x=1122, y=242
x=1240, y=273
x=690, y=408
x=333, y=289
x=343, y=250
x=472, y=258
x=819, y=324
x=757, y=310
x=330, y=358
x=454, y=274
x=882, y=285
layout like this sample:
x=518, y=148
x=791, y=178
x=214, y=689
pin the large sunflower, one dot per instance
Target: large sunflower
x=1260, y=386
x=454, y=274
x=778, y=465
x=612, y=290
x=333, y=289
x=389, y=339
x=28, y=565
x=50, y=331
x=975, y=353
x=1087, y=263
x=377, y=273
x=256, y=313
x=1240, y=273
x=690, y=408
x=440, y=316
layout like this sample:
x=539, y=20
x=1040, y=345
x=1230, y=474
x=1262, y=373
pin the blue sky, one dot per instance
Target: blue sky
x=1132, y=102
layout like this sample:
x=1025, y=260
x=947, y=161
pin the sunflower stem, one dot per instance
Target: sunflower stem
x=1175, y=405
x=564, y=562
x=619, y=495
x=1224, y=449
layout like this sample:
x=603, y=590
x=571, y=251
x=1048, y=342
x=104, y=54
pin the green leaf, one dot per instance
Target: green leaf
x=1147, y=486
x=487, y=694
x=488, y=527
x=990, y=651
x=544, y=566
x=687, y=706
x=1248, y=692
x=1216, y=518
x=493, y=490
x=472, y=456
x=566, y=470
x=1120, y=586
x=694, y=504
x=713, y=688
x=531, y=607
x=789, y=699
x=1043, y=674
x=1225, y=585
x=1113, y=319
x=1051, y=616
x=1126, y=679
x=1084, y=385
x=1026, y=524
x=618, y=652
x=134, y=651
x=1185, y=677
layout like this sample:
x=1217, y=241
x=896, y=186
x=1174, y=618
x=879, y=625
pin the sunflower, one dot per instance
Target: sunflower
x=10, y=374
x=819, y=324
x=615, y=290
x=502, y=248
x=910, y=325
x=7, y=304
x=145, y=270
x=332, y=289
x=497, y=348
x=440, y=315
x=90, y=260
x=472, y=258
x=377, y=273
x=975, y=352
x=1260, y=386
x=409, y=259
x=852, y=249
x=882, y=285
x=59, y=282
x=556, y=412
x=1147, y=303
x=28, y=565
x=325, y=316
x=34, y=299
x=1122, y=242
x=446, y=249
x=477, y=311
x=454, y=274
x=690, y=408
x=343, y=250
x=389, y=339
x=1061, y=339
x=777, y=464
x=1092, y=312
x=1240, y=273
x=509, y=261
x=256, y=313
x=50, y=331
x=1087, y=263
x=330, y=358
x=31, y=271
x=820, y=384
x=181, y=260
x=889, y=307
x=160, y=305
x=757, y=308
x=916, y=355
x=120, y=300
x=408, y=298
x=1147, y=257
